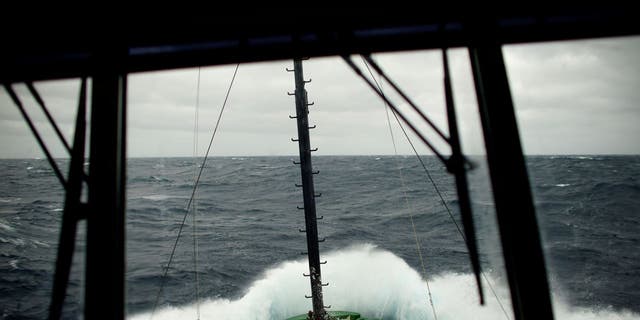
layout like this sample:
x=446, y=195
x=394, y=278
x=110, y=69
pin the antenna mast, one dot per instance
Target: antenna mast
x=309, y=195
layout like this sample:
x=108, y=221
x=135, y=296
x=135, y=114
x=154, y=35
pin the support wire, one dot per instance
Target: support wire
x=404, y=193
x=433, y=183
x=195, y=209
x=184, y=218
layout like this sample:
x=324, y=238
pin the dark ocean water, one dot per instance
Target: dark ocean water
x=249, y=260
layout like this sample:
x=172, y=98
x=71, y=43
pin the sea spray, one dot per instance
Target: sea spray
x=373, y=282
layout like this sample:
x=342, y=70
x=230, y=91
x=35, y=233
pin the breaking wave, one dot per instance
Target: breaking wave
x=373, y=282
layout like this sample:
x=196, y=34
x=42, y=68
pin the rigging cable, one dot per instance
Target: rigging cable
x=406, y=199
x=184, y=218
x=195, y=210
x=435, y=186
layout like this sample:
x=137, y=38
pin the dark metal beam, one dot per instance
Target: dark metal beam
x=72, y=211
x=521, y=246
x=105, y=262
x=49, y=50
x=457, y=166
x=36, y=134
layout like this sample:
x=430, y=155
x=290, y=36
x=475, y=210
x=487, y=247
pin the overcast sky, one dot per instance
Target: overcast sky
x=579, y=97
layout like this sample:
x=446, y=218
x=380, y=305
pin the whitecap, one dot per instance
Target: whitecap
x=38, y=243
x=16, y=242
x=562, y=185
x=157, y=197
x=4, y=225
x=14, y=264
x=9, y=200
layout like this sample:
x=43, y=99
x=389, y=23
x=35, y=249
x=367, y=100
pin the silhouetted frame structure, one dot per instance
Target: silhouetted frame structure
x=51, y=48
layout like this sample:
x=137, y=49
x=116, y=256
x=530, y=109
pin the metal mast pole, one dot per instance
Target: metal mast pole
x=308, y=192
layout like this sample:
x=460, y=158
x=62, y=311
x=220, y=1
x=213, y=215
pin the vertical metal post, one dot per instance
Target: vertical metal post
x=456, y=165
x=308, y=192
x=105, y=262
x=72, y=210
x=515, y=211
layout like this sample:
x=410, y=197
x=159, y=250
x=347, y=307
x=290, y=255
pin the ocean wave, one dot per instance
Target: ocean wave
x=5, y=226
x=14, y=264
x=373, y=282
x=9, y=199
x=158, y=197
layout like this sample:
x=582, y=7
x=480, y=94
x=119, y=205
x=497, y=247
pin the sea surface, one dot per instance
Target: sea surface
x=390, y=242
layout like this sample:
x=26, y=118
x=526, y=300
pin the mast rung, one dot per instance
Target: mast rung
x=291, y=94
x=322, y=240
x=312, y=127
x=315, y=172
x=300, y=208
x=307, y=81
x=303, y=253
x=290, y=70
x=318, y=195
x=308, y=297
x=327, y=307
x=305, y=275
x=313, y=150
x=293, y=117
x=294, y=140
x=310, y=104
x=323, y=262
x=302, y=230
x=324, y=284
x=320, y=218
x=295, y=162
x=298, y=185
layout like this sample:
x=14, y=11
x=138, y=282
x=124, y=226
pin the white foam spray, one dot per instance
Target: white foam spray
x=373, y=282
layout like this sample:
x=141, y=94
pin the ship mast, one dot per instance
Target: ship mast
x=308, y=192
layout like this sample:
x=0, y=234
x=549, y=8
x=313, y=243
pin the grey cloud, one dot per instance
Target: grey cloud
x=570, y=97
